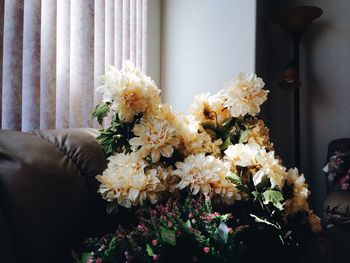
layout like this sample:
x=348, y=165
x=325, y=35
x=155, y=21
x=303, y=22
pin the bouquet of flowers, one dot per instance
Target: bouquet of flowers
x=203, y=187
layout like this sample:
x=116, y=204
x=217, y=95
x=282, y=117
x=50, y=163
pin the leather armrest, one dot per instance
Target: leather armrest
x=337, y=208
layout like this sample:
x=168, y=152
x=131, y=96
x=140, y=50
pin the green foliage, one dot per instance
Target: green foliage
x=243, y=138
x=149, y=250
x=168, y=236
x=234, y=178
x=101, y=111
x=115, y=138
x=264, y=221
x=179, y=225
x=274, y=197
x=226, y=143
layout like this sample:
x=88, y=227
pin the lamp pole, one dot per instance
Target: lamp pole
x=295, y=21
x=296, y=45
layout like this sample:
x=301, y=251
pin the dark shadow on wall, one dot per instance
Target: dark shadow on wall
x=312, y=93
x=273, y=51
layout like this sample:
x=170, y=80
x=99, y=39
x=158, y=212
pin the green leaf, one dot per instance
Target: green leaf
x=188, y=224
x=264, y=185
x=208, y=125
x=274, y=197
x=234, y=178
x=149, y=250
x=86, y=256
x=107, y=148
x=226, y=122
x=256, y=195
x=112, y=208
x=244, y=136
x=111, y=246
x=101, y=111
x=168, y=236
x=264, y=221
x=226, y=144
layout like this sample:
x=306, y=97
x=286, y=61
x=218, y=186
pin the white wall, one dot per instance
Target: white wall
x=204, y=43
x=325, y=91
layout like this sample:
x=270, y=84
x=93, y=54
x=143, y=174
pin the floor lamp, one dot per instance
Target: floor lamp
x=295, y=22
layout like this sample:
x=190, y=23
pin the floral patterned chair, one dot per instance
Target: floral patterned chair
x=337, y=203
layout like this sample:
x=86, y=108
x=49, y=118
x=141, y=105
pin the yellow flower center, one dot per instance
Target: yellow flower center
x=130, y=99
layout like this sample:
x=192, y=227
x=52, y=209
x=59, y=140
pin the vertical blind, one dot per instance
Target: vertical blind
x=53, y=52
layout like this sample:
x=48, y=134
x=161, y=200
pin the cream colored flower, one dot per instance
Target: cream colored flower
x=209, y=108
x=165, y=112
x=245, y=95
x=257, y=133
x=270, y=167
x=243, y=155
x=155, y=137
x=144, y=186
x=201, y=109
x=194, y=139
x=167, y=178
x=129, y=181
x=261, y=163
x=217, y=102
x=227, y=191
x=206, y=175
x=129, y=91
x=300, y=192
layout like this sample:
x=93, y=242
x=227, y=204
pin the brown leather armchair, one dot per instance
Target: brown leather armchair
x=48, y=198
x=337, y=213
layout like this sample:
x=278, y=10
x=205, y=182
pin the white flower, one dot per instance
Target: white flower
x=144, y=185
x=299, y=190
x=129, y=91
x=194, y=139
x=209, y=108
x=256, y=133
x=270, y=167
x=206, y=175
x=243, y=155
x=264, y=164
x=245, y=95
x=155, y=137
x=129, y=181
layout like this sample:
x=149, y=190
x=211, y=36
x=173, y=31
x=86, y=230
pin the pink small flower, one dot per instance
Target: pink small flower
x=344, y=185
x=230, y=230
x=170, y=224
x=190, y=216
x=155, y=257
x=98, y=260
x=102, y=247
x=193, y=221
x=206, y=249
x=154, y=242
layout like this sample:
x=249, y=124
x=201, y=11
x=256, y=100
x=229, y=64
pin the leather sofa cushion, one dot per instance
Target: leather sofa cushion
x=337, y=208
x=48, y=199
